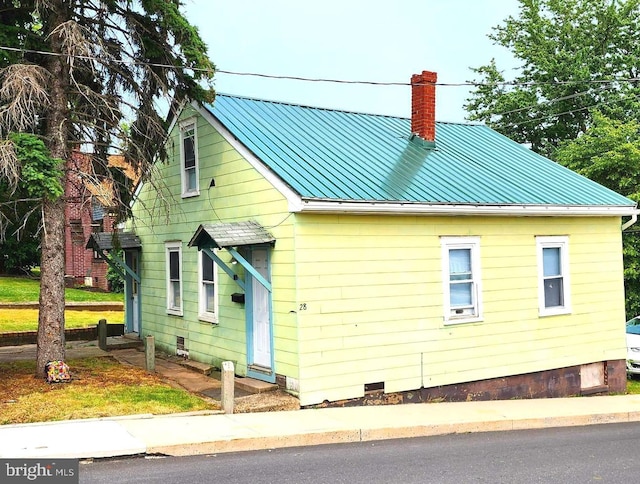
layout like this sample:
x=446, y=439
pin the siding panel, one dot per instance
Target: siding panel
x=239, y=192
x=372, y=286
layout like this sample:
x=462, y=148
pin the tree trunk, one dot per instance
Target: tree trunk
x=51, y=317
x=51, y=344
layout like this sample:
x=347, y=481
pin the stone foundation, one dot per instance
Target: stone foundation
x=562, y=382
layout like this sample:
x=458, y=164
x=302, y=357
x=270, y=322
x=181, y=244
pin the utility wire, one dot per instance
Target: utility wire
x=327, y=80
x=377, y=83
x=576, y=110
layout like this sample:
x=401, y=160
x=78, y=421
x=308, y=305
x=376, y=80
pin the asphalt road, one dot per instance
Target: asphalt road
x=597, y=453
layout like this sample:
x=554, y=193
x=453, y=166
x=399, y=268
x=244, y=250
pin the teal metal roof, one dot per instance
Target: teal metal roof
x=326, y=154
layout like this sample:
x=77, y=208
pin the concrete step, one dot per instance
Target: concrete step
x=248, y=385
x=242, y=384
x=195, y=366
x=122, y=342
x=252, y=385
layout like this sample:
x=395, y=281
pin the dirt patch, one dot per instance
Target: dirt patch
x=274, y=401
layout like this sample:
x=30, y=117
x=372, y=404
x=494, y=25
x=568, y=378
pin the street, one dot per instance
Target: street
x=607, y=453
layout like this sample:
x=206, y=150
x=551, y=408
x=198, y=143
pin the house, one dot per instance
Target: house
x=89, y=209
x=350, y=256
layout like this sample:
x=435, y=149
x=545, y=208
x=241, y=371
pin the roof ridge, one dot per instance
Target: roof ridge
x=346, y=111
x=307, y=106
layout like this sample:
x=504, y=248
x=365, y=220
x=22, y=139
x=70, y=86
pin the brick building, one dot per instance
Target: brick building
x=89, y=209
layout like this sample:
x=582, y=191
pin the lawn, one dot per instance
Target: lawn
x=24, y=289
x=27, y=319
x=100, y=387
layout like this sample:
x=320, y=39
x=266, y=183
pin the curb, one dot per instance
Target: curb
x=371, y=434
x=273, y=439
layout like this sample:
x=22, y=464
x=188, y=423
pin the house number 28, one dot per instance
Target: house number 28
x=303, y=307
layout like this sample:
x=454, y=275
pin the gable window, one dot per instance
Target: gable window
x=553, y=275
x=174, y=277
x=461, y=279
x=189, y=159
x=208, y=289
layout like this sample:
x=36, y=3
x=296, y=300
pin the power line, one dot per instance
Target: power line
x=326, y=80
x=577, y=109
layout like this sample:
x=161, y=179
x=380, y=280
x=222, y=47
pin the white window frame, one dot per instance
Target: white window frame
x=473, y=244
x=173, y=307
x=186, y=126
x=553, y=242
x=204, y=314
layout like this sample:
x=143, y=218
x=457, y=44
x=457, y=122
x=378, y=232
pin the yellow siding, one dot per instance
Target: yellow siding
x=359, y=299
x=372, y=286
x=240, y=193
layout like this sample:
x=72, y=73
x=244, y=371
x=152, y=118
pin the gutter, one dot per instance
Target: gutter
x=630, y=222
x=350, y=206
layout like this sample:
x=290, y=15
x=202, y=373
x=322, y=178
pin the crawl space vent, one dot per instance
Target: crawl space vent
x=180, y=348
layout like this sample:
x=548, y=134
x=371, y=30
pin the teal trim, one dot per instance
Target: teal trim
x=128, y=302
x=128, y=292
x=128, y=270
x=125, y=271
x=258, y=375
x=115, y=265
x=249, y=268
x=224, y=267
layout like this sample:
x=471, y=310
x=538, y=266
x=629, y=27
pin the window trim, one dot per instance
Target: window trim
x=561, y=242
x=462, y=242
x=186, y=125
x=203, y=314
x=169, y=248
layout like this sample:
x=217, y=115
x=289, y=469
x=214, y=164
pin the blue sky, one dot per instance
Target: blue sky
x=357, y=40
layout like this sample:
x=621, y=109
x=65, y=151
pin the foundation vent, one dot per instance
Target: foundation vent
x=374, y=387
x=181, y=350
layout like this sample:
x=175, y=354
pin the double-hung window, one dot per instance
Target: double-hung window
x=554, y=295
x=189, y=158
x=461, y=279
x=208, y=289
x=174, y=277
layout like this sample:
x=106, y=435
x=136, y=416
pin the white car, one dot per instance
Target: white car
x=633, y=346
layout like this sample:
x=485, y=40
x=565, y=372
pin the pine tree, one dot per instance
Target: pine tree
x=99, y=73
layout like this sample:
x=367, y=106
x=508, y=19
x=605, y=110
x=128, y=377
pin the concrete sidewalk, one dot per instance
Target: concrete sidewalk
x=191, y=434
x=214, y=432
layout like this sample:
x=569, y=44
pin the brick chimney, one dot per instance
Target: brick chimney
x=423, y=105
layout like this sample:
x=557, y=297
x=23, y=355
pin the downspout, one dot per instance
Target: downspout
x=630, y=222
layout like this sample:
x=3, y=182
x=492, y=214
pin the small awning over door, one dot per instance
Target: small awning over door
x=230, y=236
x=109, y=240
x=233, y=234
x=105, y=242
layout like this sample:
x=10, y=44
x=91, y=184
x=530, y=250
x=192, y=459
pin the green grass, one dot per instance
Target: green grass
x=100, y=387
x=27, y=319
x=23, y=289
x=633, y=386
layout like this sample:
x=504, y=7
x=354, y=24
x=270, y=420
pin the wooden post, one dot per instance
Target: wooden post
x=228, y=377
x=102, y=334
x=150, y=353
